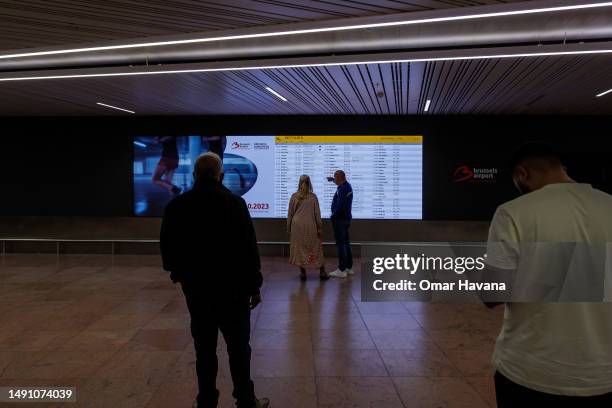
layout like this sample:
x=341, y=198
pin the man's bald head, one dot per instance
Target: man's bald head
x=208, y=166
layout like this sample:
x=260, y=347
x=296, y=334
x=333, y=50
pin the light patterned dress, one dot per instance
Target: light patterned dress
x=304, y=224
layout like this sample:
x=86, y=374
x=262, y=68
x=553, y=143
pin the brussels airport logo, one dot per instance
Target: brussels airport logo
x=240, y=145
x=469, y=174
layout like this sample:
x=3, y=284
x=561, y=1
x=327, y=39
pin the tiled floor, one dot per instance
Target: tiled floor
x=118, y=330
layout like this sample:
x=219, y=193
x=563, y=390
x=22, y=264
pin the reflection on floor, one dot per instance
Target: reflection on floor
x=117, y=329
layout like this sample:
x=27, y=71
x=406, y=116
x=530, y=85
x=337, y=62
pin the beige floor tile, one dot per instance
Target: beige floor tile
x=271, y=364
x=399, y=339
x=36, y=340
x=164, y=321
x=349, y=363
x=424, y=360
x=119, y=393
x=67, y=364
x=337, y=321
x=341, y=339
x=278, y=306
x=99, y=340
x=283, y=321
x=445, y=318
x=382, y=308
x=175, y=393
x=426, y=392
x=472, y=362
x=159, y=340
x=463, y=338
x=298, y=392
x=121, y=322
x=390, y=322
x=138, y=364
x=333, y=306
x=18, y=364
x=281, y=340
x=357, y=392
x=485, y=387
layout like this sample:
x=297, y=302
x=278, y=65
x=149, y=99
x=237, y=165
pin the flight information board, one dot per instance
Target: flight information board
x=386, y=172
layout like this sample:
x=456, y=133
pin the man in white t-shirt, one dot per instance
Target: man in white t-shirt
x=553, y=353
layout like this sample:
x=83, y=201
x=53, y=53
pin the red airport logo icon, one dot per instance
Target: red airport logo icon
x=465, y=173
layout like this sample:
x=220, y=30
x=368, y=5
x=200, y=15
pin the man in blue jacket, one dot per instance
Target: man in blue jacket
x=341, y=221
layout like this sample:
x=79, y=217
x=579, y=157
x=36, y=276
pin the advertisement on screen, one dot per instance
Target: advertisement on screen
x=385, y=171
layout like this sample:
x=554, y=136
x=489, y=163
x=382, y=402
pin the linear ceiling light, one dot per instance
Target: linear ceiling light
x=603, y=93
x=306, y=65
x=273, y=92
x=114, y=107
x=315, y=30
x=427, y=105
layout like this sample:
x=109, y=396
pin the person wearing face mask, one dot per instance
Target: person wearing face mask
x=552, y=353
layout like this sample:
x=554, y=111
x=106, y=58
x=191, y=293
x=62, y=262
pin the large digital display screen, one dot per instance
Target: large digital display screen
x=386, y=172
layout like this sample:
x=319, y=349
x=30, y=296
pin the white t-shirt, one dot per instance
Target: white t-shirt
x=556, y=348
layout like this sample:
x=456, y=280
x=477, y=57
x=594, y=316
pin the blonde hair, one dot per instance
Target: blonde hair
x=304, y=187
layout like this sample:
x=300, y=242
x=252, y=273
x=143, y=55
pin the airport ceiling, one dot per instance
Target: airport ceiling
x=35, y=23
x=382, y=68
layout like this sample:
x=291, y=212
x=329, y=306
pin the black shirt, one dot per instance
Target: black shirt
x=169, y=148
x=207, y=237
x=216, y=144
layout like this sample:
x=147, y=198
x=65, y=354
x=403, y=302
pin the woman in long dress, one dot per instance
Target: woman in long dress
x=306, y=230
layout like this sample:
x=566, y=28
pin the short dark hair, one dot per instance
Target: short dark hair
x=534, y=150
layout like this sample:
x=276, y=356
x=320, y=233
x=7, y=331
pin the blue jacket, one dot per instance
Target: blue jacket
x=342, y=204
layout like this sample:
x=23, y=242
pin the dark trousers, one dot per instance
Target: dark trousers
x=512, y=395
x=343, y=244
x=233, y=318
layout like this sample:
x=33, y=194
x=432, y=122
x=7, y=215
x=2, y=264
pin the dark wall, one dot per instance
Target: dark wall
x=82, y=166
x=55, y=169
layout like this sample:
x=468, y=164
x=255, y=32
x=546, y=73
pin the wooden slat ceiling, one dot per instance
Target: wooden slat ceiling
x=547, y=85
x=36, y=23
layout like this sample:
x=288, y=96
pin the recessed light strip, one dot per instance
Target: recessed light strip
x=273, y=92
x=427, y=105
x=114, y=107
x=603, y=93
x=306, y=65
x=316, y=30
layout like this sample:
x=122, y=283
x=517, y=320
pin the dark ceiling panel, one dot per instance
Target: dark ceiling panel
x=546, y=85
x=555, y=85
x=36, y=23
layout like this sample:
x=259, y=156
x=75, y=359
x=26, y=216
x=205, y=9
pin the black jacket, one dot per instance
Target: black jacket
x=207, y=237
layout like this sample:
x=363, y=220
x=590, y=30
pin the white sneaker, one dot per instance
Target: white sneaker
x=349, y=271
x=338, y=274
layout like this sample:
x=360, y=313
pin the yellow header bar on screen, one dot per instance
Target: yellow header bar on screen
x=347, y=139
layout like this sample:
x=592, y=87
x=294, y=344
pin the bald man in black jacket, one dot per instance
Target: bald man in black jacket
x=208, y=244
